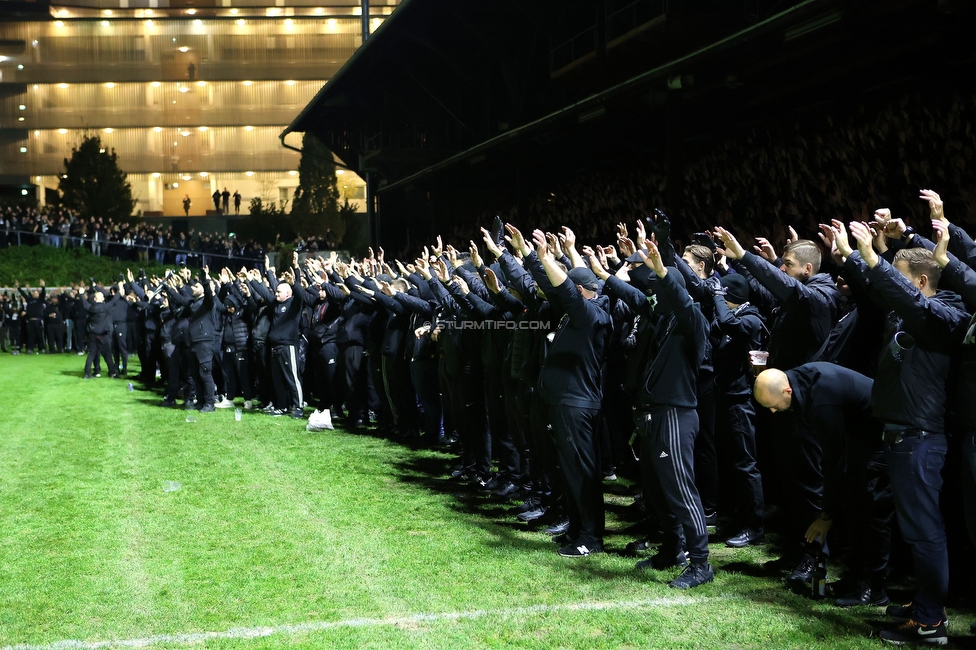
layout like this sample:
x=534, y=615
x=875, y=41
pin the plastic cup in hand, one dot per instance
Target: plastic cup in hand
x=237, y=414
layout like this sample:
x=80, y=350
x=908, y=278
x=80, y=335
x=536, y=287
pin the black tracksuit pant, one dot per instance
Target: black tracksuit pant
x=667, y=463
x=284, y=376
x=575, y=433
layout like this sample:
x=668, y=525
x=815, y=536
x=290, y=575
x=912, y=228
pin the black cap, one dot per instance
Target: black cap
x=636, y=258
x=736, y=288
x=584, y=277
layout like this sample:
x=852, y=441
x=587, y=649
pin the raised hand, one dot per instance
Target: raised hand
x=490, y=243
x=438, y=249
x=653, y=260
x=515, y=238
x=936, y=209
x=541, y=244
x=440, y=268
x=475, y=255
x=733, y=249
x=462, y=285
x=491, y=281
x=942, y=237
x=627, y=247
x=793, y=236
x=598, y=269
x=864, y=239
x=765, y=249
x=840, y=241
x=553, y=242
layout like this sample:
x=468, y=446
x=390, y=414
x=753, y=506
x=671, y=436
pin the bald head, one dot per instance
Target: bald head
x=773, y=391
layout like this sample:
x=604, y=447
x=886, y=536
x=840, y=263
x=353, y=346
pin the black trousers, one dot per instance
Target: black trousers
x=503, y=446
x=236, y=376
x=706, y=460
x=201, y=372
x=55, y=337
x=120, y=346
x=735, y=435
x=100, y=345
x=323, y=366
x=574, y=430
x=284, y=376
x=354, y=371
x=468, y=406
x=667, y=463
x=35, y=335
x=399, y=393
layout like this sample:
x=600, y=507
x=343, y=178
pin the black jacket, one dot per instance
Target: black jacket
x=912, y=391
x=673, y=357
x=834, y=403
x=802, y=314
x=571, y=374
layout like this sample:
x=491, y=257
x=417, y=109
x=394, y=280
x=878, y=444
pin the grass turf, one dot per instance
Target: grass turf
x=325, y=539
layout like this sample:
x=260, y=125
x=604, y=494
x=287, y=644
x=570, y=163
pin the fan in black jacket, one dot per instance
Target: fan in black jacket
x=925, y=330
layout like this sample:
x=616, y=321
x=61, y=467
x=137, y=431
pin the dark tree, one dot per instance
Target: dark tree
x=315, y=209
x=93, y=185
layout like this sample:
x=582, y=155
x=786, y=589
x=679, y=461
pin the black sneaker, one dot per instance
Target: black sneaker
x=505, y=490
x=903, y=612
x=912, y=632
x=531, y=503
x=562, y=539
x=168, y=403
x=664, y=560
x=863, y=594
x=802, y=572
x=580, y=550
x=531, y=515
x=711, y=519
x=907, y=611
x=746, y=537
x=207, y=408
x=277, y=413
x=693, y=576
x=638, y=545
x=189, y=404
x=298, y=414
x=560, y=526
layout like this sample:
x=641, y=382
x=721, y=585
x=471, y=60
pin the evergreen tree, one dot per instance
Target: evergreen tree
x=315, y=209
x=93, y=185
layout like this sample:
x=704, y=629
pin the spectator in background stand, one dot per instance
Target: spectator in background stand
x=216, y=200
x=186, y=205
x=225, y=199
x=237, y=202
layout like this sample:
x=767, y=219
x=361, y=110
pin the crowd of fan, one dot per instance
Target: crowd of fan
x=543, y=364
x=829, y=168
x=135, y=242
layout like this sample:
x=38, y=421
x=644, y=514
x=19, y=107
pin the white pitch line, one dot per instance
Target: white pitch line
x=318, y=626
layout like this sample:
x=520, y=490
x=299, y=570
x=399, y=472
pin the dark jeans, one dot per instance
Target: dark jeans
x=969, y=482
x=916, y=464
